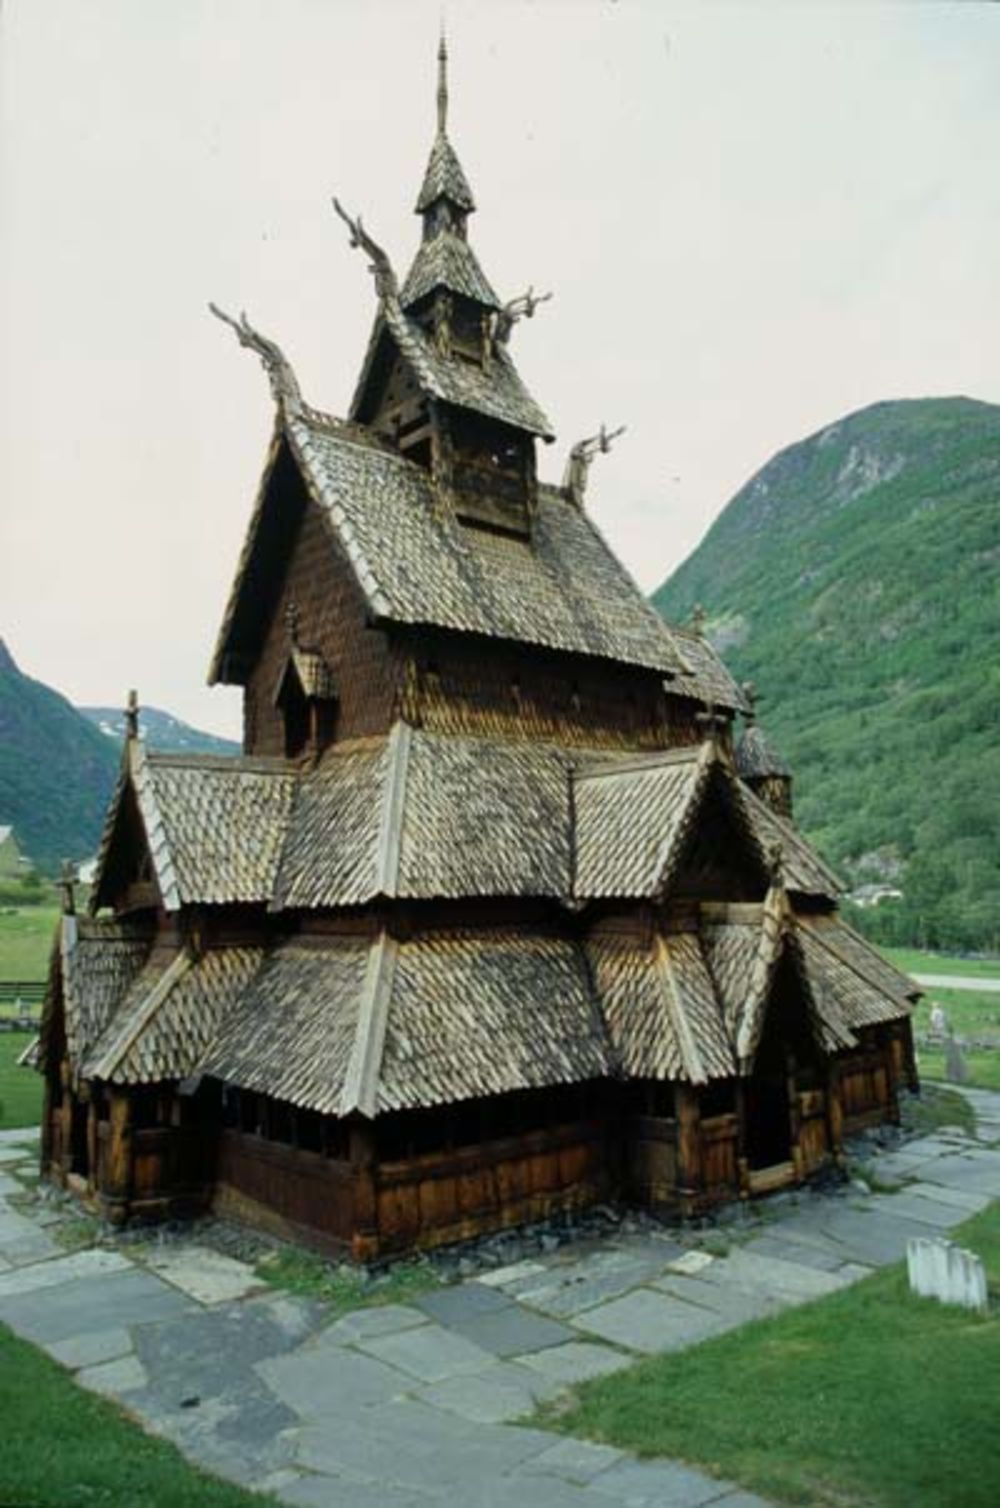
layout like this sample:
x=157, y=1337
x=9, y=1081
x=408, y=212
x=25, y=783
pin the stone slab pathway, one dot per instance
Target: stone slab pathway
x=407, y=1406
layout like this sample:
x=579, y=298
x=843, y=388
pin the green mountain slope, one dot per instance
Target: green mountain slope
x=856, y=580
x=57, y=770
x=161, y=730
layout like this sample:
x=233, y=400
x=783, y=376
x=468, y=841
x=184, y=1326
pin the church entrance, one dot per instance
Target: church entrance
x=768, y=1118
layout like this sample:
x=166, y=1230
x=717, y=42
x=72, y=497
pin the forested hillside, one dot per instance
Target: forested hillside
x=56, y=770
x=855, y=580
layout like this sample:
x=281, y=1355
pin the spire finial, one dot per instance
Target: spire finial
x=292, y=622
x=132, y=715
x=442, y=95
x=750, y=697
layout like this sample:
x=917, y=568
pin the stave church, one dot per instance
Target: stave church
x=502, y=911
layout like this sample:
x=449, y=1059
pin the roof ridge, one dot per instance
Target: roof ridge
x=690, y=1056
x=152, y=820
x=636, y=763
x=262, y=764
x=774, y=927
x=360, y=1087
x=179, y=965
x=705, y=765
x=390, y=836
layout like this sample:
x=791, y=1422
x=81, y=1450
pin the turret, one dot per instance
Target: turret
x=759, y=764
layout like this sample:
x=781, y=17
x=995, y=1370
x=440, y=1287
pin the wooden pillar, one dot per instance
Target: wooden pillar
x=364, y=1242
x=65, y=1118
x=835, y=1112
x=795, y=1121
x=92, y=1144
x=48, y=1111
x=742, y=1161
x=689, y=1159
x=118, y=1167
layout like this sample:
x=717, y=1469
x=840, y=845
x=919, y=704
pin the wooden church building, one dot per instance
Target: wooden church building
x=494, y=916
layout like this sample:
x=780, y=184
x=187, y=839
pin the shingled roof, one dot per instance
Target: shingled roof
x=419, y=815
x=561, y=590
x=447, y=261
x=343, y=1022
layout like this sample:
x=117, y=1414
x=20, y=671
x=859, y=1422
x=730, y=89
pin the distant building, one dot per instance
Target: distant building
x=493, y=917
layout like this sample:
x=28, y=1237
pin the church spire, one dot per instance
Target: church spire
x=442, y=99
x=445, y=196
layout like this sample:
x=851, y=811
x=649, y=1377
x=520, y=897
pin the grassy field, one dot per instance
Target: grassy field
x=869, y=1397
x=915, y=962
x=63, y=1448
x=25, y=941
x=20, y=1089
x=972, y=1014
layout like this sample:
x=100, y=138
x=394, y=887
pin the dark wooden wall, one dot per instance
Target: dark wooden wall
x=332, y=620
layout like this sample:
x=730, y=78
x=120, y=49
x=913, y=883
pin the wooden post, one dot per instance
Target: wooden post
x=92, y=1145
x=742, y=1162
x=118, y=1179
x=794, y=1121
x=835, y=1112
x=364, y=1242
x=689, y=1158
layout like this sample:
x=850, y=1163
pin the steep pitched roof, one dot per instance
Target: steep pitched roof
x=214, y=825
x=171, y=1014
x=447, y=260
x=444, y=178
x=94, y=964
x=496, y=392
x=633, y=815
x=338, y=1024
x=563, y=590
x=662, y=1015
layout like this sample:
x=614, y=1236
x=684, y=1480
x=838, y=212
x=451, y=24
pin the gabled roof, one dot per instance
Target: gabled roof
x=170, y=1014
x=214, y=825
x=421, y=815
x=496, y=392
x=562, y=590
x=633, y=815
x=94, y=963
x=447, y=260
x=804, y=870
x=312, y=672
x=659, y=1006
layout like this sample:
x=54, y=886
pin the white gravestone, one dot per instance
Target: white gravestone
x=938, y=1269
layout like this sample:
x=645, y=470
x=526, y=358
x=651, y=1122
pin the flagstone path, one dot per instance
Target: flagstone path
x=410, y=1406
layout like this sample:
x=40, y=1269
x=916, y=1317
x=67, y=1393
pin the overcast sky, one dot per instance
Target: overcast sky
x=755, y=217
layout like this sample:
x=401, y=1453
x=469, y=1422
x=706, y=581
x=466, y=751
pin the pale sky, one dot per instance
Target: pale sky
x=755, y=217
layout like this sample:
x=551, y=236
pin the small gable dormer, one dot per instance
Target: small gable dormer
x=305, y=697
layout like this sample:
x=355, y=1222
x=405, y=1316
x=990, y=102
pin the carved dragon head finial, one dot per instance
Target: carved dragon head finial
x=522, y=307
x=284, y=384
x=580, y=457
x=386, y=284
x=750, y=695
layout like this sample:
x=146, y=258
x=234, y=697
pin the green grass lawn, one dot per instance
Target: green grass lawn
x=311, y=1276
x=25, y=940
x=63, y=1447
x=20, y=1088
x=868, y=1397
x=913, y=961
